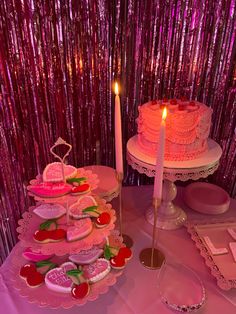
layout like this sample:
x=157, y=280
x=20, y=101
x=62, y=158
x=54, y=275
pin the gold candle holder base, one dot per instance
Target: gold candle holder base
x=145, y=258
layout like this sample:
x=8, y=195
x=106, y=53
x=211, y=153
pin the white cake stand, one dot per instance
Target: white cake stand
x=171, y=216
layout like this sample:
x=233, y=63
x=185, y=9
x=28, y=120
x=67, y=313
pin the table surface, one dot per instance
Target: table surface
x=136, y=290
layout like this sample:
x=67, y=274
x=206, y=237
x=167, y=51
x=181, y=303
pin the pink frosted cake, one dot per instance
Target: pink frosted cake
x=187, y=128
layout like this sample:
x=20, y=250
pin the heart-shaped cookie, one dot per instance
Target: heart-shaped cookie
x=86, y=256
x=49, y=189
x=97, y=270
x=53, y=172
x=80, y=229
x=76, y=210
x=50, y=211
x=57, y=280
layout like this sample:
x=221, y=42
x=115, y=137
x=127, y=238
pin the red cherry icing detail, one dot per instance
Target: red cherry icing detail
x=125, y=252
x=80, y=291
x=192, y=103
x=117, y=261
x=103, y=219
x=27, y=269
x=35, y=279
x=80, y=188
x=57, y=234
x=41, y=235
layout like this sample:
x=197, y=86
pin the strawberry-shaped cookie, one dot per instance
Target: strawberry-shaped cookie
x=81, y=287
x=102, y=219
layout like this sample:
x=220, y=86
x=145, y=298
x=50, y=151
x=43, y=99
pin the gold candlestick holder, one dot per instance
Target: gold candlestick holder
x=152, y=258
x=127, y=240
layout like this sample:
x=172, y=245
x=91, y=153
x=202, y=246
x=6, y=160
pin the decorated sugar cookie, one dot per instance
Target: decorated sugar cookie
x=81, y=229
x=86, y=256
x=49, y=211
x=29, y=255
x=49, y=189
x=44, y=235
x=97, y=270
x=53, y=172
x=118, y=257
x=81, y=286
x=102, y=218
x=31, y=275
x=57, y=279
x=83, y=203
x=80, y=189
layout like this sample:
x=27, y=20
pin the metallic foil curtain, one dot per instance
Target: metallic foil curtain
x=58, y=61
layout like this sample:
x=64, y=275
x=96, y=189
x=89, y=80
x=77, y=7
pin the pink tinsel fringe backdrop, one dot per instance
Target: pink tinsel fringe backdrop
x=58, y=61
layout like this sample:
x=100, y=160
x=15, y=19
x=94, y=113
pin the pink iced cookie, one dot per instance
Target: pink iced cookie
x=50, y=189
x=97, y=271
x=57, y=280
x=50, y=211
x=86, y=256
x=80, y=229
x=76, y=210
x=53, y=172
x=29, y=255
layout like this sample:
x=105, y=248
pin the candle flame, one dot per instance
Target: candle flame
x=116, y=88
x=164, y=114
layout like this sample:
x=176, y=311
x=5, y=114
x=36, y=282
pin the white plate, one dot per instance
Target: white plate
x=206, y=198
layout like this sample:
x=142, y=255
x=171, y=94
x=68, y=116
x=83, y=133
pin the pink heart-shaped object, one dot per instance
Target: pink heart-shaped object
x=49, y=211
x=50, y=189
x=53, y=172
x=57, y=280
x=80, y=229
x=76, y=210
x=97, y=270
x=86, y=256
x=29, y=255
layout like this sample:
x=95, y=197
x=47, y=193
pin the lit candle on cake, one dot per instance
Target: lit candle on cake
x=118, y=132
x=157, y=193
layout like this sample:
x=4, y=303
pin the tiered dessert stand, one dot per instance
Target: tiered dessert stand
x=99, y=237
x=171, y=216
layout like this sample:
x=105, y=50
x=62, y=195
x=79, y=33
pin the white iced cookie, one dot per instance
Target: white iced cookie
x=50, y=211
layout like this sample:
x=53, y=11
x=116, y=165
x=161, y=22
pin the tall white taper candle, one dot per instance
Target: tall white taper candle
x=157, y=192
x=118, y=132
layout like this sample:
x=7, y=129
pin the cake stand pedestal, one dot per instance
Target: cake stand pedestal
x=171, y=216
